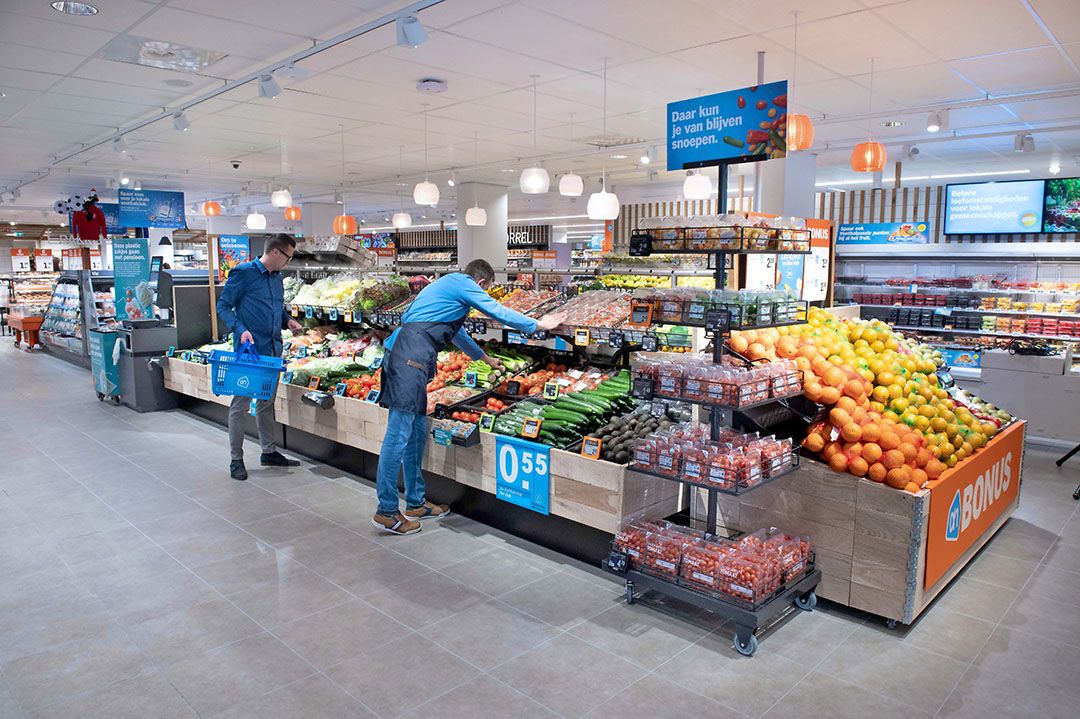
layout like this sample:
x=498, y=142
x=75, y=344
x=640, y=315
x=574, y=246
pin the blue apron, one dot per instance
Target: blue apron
x=411, y=363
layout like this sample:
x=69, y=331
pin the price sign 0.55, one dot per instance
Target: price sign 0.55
x=521, y=473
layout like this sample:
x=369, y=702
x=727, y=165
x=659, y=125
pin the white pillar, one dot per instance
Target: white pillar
x=487, y=242
x=788, y=185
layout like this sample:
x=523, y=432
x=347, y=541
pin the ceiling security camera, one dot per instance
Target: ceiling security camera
x=235, y=164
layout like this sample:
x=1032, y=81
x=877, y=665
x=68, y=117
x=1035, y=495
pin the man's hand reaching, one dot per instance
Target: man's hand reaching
x=550, y=322
x=295, y=326
x=246, y=338
x=495, y=363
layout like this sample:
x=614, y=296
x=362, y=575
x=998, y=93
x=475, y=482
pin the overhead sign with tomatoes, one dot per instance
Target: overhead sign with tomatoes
x=738, y=126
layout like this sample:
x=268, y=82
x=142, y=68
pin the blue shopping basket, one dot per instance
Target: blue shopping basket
x=245, y=373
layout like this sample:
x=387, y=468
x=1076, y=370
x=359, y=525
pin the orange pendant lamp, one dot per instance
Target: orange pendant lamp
x=344, y=225
x=211, y=209
x=869, y=156
x=293, y=213
x=800, y=130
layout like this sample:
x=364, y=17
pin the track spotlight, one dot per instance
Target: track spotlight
x=180, y=122
x=118, y=144
x=933, y=123
x=124, y=180
x=1055, y=167
x=410, y=33
x=649, y=156
x=268, y=87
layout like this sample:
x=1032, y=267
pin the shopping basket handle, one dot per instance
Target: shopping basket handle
x=248, y=348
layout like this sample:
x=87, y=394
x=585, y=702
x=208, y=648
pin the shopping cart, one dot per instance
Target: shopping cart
x=245, y=373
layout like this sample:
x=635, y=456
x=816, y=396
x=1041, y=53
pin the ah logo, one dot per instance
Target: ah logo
x=952, y=528
x=243, y=382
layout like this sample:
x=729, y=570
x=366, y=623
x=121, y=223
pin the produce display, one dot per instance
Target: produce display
x=888, y=419
x=358, y=387
x=600, y=308
x=375, y=292
x=329, y=370
x=731, y=463
x=750, y=569
x=618, y=435
x=745, y=308
x=697, y=379
x=730, y=232
x=293, y=285
x=519, y=300
x=449, y=395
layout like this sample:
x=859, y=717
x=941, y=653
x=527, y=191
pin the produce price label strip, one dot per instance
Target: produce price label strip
x=747, y=621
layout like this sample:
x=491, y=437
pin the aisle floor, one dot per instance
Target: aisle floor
x=139, y=581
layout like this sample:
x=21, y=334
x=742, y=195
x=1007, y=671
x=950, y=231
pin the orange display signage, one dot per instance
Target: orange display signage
x=820, y=232
x=967, y=500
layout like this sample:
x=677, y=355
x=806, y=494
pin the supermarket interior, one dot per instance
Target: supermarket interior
x=717, y=359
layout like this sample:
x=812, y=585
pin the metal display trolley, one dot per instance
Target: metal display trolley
x=721, y=242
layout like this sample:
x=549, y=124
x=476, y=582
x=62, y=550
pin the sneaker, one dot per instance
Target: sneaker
x=237, y=470
x=428, y=510
x=397, y=524
x=277, y=459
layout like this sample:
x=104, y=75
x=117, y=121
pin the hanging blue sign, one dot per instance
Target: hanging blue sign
x=883, y=233
x=151, y=208
x=522, y=473
x=131, y=278
x=738, y=126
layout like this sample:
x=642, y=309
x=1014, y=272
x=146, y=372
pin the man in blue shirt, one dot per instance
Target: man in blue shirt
x=252, y=303
x=434, y=318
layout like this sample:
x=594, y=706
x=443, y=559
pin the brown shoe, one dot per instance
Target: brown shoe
x=428, y=510
x=396, y=524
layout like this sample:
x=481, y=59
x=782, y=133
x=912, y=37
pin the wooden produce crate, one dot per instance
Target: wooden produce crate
x=880, y=549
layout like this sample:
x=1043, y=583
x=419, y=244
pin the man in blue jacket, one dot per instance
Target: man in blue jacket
x=434, y=318
x=252, y=303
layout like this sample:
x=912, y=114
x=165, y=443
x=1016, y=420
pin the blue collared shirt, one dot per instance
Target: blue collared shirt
x=253, y=299
x=449, y=299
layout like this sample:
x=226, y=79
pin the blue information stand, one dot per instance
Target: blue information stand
x=522, y=475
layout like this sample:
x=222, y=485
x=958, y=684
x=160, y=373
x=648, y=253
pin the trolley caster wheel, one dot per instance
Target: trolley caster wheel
x=1076, y=494
x=100, y=397
x=747, y=648
x=629, y=592
x=807, y=602
x=116, y=401
x=890, y=624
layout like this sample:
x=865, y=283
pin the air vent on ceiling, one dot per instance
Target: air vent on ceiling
x=611, y=140
x=158, y=53
x=431, y=85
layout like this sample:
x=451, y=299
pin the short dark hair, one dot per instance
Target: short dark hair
x=281, y=242
x=480, y=270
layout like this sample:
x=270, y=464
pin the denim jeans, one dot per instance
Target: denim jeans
x=403, y=446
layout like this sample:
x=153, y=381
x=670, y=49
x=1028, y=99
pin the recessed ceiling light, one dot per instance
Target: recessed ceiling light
x=75, y=8
x=618, y=156
x=892, y=123
x=402, y=184
x=508, y=169
x=177, y=82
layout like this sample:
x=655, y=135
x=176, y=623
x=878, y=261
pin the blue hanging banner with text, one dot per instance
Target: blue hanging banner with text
x=522, y=473
x=883, y=233
x=151, y=208
x=738, y=126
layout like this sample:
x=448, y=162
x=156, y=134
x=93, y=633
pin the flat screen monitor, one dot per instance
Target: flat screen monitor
x=1062, y=205
x=990, y=208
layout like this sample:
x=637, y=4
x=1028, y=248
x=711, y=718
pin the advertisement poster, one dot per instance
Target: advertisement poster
x=962, y=358
x=968, y=499
x=232, y=250
x=789, y=274
x=373, y=240
x=151, y=208
x=131, y=278
x=736, y=126
x=1062, y=211
x=20, y=259
x=994, y=207
x=883, y=233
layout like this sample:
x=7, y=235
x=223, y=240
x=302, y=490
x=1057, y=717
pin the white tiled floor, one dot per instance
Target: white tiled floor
x=138, y=580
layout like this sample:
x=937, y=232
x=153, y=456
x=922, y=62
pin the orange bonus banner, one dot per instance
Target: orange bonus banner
x=967, y=500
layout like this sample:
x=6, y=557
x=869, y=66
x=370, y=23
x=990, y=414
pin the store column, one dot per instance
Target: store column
x=487, y=241
x=788, y=185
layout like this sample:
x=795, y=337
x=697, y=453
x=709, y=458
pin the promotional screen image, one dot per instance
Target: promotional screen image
x=1062, y=213
x=994, y=207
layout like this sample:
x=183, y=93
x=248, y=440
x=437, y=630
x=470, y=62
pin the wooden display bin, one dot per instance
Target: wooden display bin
x=594, y=493
x=880, y=549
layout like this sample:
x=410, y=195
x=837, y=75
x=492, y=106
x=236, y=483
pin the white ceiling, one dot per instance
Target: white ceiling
x=983, y=58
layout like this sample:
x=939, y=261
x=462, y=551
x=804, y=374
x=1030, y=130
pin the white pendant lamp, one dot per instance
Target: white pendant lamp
x=401, y=220
x=281, y=198
x=476, y=216
x=570, y=184
x=603, y=205
x=696, y=186
x=255, y=221
x=426, y=192
x=534, y=180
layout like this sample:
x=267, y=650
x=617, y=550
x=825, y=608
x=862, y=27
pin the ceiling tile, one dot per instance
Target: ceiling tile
x=27, y=80
x=776, y=14
x=22, y=57
x=962, y=28
x=845, y=44
x=733, y=63
x=106, y=90
x=1060, y=17
x=226, y=36
x=1024, y=70
x=319, y=19
x=1064, y=108
x=51, y=34
x=384, y=69
x=920, y=85
x=113, y=15
x=122, y=73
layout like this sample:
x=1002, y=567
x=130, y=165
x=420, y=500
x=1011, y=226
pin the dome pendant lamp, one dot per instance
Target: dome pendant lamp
x=476, y=216
x=211, y=208
x=800, y=130
x=570, y=184
x=534, y=180
x=401, y=218
x=426, y=192
x=869, y=156
x=696, y=186
x=293, y=213
x=603, y=205
x=255, y=220
x=343, y=224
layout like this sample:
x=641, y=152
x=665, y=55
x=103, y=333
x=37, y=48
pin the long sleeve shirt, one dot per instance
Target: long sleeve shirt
x=449, y=299
x=253, y=300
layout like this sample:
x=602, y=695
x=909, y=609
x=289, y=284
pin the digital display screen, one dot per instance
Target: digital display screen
x=1062, y=207
x=994, y=207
